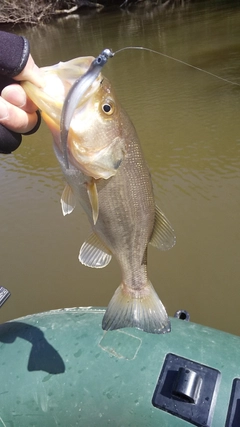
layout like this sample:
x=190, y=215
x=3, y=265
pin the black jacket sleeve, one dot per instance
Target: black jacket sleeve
x=14, y=53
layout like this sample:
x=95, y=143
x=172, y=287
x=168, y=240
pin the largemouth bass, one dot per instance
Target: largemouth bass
x=108, y=175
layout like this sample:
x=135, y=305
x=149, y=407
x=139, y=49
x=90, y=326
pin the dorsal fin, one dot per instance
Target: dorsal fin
x=163, y=236
x=94, y=253
x=68, y=201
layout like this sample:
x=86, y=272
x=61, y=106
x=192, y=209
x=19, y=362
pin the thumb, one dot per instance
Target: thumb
x=31, y=73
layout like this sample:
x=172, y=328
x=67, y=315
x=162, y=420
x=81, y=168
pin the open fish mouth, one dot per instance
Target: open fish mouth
x=58, y=81
x=76, y=102
x=68, y=86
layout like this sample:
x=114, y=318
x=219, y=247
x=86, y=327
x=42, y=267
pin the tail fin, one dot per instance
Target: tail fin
x=145, y=312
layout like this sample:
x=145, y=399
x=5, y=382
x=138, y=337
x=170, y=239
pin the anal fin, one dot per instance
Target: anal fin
x=163, y=236
x=94, y=253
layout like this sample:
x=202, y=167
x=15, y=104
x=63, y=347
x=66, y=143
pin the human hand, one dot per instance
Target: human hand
x=17, y=112
x=18, y=115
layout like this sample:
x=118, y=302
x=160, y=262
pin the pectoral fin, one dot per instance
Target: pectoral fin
x=163, y=236
x=94, y=253
x=68, y=201
x=93, y=197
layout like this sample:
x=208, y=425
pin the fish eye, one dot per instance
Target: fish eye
x=108, y=108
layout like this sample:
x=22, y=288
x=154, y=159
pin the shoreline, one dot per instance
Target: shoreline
x=44, y=11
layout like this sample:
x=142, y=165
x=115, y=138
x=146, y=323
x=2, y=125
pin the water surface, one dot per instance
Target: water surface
x=188, y=124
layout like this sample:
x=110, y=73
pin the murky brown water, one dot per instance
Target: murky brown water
x=188, y=123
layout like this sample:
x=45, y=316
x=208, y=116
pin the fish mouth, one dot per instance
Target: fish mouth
x=66, y=75
x=58, y=80
x=82, y=150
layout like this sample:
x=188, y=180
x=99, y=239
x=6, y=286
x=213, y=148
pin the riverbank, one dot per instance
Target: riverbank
x=37, y=11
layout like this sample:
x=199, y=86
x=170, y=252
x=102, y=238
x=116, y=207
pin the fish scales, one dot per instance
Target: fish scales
x=127, y=199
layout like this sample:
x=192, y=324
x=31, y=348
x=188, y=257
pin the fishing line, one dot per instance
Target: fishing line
x=83, y=83
x=177, y=60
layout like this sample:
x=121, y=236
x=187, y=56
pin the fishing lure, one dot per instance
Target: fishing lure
x=77, y=91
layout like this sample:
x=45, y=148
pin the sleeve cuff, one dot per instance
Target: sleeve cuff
x=14, y=53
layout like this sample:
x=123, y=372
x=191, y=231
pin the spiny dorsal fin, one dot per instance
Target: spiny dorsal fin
x=94, y=253
x=163, y=236
x=68, y=201
x=93, y=197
